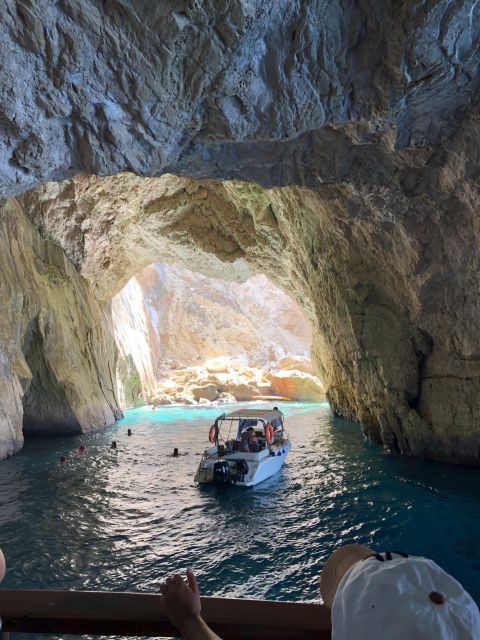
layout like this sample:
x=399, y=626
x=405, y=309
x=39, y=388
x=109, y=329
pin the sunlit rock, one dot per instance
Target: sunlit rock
x=208, y=392
x=297, y=385
x=298, y=363
x=57, y=355
x=226, y=398
x=224, y=364
x=184, y=398
x=166, y=317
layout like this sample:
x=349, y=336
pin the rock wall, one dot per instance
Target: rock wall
x=57, y=357
x=389, y=281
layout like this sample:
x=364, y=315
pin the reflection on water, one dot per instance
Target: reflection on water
x=125, y=519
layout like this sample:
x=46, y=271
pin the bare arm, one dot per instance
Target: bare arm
x=198, y=630
x=181, y=603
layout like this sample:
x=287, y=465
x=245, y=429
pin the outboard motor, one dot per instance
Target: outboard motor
x=221, y=474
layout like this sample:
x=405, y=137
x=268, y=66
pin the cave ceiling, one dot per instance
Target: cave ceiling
x=273, y=91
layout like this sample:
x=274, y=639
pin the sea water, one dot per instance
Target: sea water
x=126, y=519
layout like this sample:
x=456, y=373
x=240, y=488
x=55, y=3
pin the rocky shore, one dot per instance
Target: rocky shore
x=223, y=380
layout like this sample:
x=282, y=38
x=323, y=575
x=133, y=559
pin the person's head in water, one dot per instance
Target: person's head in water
x=113, y=445
x=82, y=448
x=129, y=432
x=175, y=453
x=275, y=408
x=63, y=460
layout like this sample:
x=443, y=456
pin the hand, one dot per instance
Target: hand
x=181, y=600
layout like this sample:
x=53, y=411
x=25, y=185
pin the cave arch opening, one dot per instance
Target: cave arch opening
x=189, y=338
x=346, y=257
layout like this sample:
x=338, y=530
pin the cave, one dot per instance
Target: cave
x=46, y=410
x=334, y=149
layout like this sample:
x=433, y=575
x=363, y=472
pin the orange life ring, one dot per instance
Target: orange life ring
x=269, y=433
x=211, y=434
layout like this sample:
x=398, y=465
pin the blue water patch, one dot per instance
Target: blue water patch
x=125, y=519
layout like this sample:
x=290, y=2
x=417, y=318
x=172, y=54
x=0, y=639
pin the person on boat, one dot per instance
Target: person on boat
x=253, y=442
x=277, y=423
x=181, y=603
x=129, y=432
x=244, y=446
x=394, y=596
x=113, y=445
x=248, y=440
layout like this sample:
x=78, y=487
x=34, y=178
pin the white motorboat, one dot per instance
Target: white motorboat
x=248, y=446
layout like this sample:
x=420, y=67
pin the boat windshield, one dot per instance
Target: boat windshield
x=235, y=423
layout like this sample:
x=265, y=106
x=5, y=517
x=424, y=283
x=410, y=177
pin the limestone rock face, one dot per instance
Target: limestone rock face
x=57, y=357
x=273, y=91
x=360, y=121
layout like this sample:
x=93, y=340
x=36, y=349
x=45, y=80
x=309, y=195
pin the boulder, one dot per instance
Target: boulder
x=217, y=365
x=225, y=364
x=225, y=398
x=208, y=392
x=162, y=400
x=264, y=387
x=296, y=363
x=242, y=391
x=297, y=385
x=185, y=398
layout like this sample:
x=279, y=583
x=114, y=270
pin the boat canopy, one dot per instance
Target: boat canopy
x=246, y=418
x=266, y=415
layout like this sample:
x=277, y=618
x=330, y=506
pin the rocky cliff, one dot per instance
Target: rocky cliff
x=169, y=317
x=347, y=136
x=57, y=357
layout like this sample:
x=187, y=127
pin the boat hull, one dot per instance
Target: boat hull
x=261, y=465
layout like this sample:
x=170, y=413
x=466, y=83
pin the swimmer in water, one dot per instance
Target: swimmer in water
x=176, y=453
x=81, y=449
x=113, y=445
x=63, y=459
x=129, y=432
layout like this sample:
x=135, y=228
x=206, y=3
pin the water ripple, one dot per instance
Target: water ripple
x=125, y=519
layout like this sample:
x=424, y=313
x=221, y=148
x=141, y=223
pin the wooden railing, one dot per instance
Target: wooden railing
x=140, y=614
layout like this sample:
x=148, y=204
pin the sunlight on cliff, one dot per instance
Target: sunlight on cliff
x=184, y=337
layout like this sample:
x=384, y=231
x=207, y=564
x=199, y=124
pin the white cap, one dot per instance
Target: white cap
x=3, y=566
x=402, y=598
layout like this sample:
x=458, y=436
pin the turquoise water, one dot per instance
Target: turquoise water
x=125, y=519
